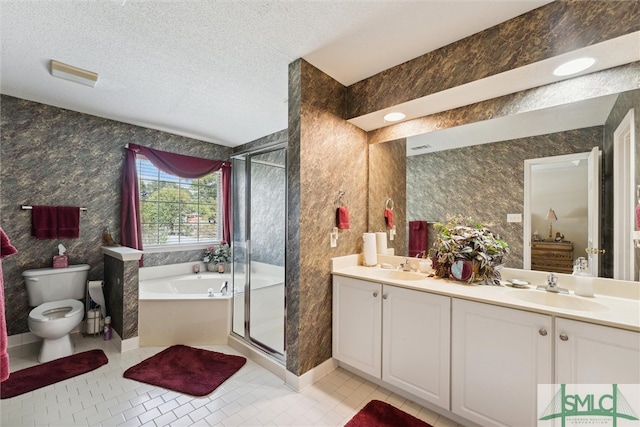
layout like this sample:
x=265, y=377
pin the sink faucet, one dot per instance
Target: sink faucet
x=405, y=266
x=552, y=285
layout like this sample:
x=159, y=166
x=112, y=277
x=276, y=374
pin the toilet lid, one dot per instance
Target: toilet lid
x=55, y=309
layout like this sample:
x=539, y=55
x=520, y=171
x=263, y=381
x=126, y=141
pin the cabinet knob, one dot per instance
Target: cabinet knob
x=384, y=296
x=375, y=294
x=564, y=337
x=543, y=332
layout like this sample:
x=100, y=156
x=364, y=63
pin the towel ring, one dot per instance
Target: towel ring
x=389, y=204
x=339, y=201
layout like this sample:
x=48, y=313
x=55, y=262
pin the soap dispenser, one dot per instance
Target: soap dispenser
x=583, y=278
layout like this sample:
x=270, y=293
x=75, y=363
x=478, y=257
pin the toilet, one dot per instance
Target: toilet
x=56, y=293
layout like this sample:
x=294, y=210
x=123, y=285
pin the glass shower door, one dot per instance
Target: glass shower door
x=259, y=236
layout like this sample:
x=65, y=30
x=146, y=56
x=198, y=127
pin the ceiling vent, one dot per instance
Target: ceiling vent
x=421, y=147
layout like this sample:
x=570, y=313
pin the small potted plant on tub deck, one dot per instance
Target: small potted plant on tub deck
x=216, y=257
x=468, y=251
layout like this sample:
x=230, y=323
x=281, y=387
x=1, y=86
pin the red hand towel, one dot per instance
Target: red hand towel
x=388, y=215
x=342, y=217
x=68, y=222
x=417, y=237
x=6, y=249
x=4, y=356
x=44, y=222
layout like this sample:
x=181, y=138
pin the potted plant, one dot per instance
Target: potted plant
x=467, y=250
x=217, y=257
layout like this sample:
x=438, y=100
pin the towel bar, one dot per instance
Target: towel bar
x=28, y=208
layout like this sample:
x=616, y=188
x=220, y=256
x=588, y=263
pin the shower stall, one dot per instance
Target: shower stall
x=259, y=233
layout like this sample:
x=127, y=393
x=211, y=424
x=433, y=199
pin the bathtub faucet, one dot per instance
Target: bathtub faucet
x=224, y=287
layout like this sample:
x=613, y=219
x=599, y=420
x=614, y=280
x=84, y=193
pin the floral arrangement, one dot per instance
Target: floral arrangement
x=217, y=253
x=469, y=249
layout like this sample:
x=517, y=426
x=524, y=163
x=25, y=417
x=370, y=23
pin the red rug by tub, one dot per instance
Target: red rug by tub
x=186, y=369
x=380, y=414
x=45, y=374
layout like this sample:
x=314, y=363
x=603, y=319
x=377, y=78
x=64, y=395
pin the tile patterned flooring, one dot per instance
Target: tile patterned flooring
x=251, y=397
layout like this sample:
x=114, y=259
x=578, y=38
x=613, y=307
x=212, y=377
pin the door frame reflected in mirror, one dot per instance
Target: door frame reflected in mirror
x=590, y=221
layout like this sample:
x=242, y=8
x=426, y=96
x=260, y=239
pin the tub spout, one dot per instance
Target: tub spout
x=224, y=287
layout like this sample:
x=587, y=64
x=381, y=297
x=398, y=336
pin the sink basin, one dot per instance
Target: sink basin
x=399, y=275
x=557, y=300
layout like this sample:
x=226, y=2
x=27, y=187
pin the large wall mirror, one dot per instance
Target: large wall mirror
x=478, y=170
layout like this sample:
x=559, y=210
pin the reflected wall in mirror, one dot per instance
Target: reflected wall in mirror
x=485, y=179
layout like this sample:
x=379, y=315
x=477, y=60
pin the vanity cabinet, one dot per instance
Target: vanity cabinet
x=357, y=324
x=499, y=356
x=416, y=343
x=398, y=335
x=480, y=361
x=550, y=256
x=595, y=354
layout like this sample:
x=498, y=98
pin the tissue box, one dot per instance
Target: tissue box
x=61, y=261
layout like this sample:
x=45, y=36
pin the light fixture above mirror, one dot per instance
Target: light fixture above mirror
x=394, y=116
x=574, y=66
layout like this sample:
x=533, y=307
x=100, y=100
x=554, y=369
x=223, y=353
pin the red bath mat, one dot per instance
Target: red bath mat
x=186, y=369
x=45, y=374
x=380, y=414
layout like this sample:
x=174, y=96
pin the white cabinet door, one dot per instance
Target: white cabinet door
x=415, y=343
x=595, y=354
x=499, y=356
x=357, y=324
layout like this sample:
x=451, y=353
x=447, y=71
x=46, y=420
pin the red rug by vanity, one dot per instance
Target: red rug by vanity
x=380, y=414
x=48, y=373
x=186, y=369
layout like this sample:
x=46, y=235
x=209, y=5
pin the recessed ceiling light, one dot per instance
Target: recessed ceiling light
x=574, y=66
x=73, y=74
x=394, y=117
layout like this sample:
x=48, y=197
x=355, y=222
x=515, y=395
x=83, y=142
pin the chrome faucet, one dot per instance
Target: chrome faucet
x=405, y=266
x=552, y=285
x=224, y=287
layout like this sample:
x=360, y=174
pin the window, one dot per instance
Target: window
x=177, y=210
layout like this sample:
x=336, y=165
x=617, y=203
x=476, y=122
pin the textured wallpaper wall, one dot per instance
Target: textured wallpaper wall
x=52, y=156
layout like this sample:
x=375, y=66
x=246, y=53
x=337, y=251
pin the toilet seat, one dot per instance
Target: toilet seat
x=50, y=311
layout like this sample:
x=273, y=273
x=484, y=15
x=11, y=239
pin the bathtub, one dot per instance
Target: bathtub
x=185, y=287
x=174, y=306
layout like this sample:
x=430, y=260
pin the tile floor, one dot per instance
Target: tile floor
x=252, y=397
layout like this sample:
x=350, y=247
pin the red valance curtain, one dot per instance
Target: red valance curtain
x=175, y=164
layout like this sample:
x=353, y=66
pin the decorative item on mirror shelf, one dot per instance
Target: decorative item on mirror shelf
x=467, y=250
x=217, y=257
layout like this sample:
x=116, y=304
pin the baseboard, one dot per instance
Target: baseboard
x=257, y=356
x=18, y=340
x=124, y=345
x=299, y=383
x=296, y=383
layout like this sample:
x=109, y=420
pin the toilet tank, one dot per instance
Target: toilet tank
x=53, y=284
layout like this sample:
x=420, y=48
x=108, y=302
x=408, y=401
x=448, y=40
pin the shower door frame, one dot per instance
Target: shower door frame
x=246, y=157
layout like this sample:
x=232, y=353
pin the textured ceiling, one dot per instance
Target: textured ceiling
x=217, y=70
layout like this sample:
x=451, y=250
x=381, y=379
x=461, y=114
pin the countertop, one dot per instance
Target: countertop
x=620, y=312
